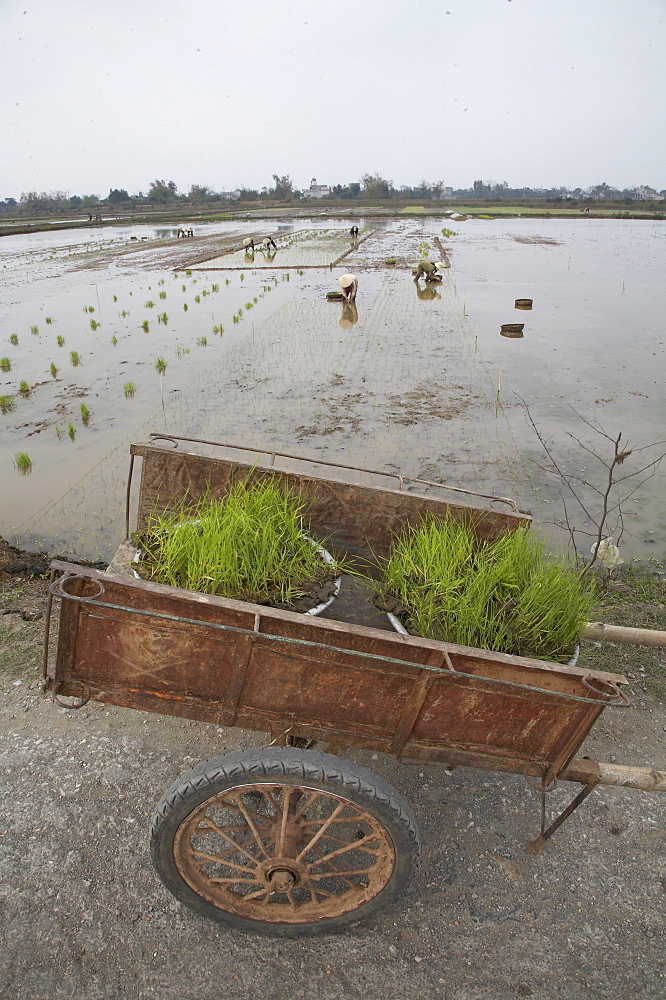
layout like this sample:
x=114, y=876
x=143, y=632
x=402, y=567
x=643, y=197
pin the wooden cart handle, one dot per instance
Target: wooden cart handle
x=620, y=633
x=586, y=771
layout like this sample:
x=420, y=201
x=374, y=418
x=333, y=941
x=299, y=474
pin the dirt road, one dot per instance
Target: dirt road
x=84, y=917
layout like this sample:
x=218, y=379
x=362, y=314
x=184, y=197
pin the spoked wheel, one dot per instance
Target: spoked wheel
x=284, y=841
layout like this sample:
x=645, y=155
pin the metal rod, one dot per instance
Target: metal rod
x=536, y=845
x=47, y=630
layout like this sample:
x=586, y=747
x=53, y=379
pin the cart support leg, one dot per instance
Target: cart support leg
x=536, y=845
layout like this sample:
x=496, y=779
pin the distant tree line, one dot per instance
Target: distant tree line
x=370, y=187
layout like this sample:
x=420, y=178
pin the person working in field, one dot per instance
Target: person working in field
x=427, y=267
x=348, y=286
x=268, y=242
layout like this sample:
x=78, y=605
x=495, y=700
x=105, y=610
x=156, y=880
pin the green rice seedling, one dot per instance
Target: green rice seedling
x=184, y=288
x=184, y=306
x=54, y=370
x=115, y=298
x=149, y=304
x=242, y=277
x=255, y=299
x=5, y=365
x=34, y=329
x=48, y=320
x=24, y=388
x=448, y=232
x=249, y=546
x=188, y=274
x=60, y=341
x=124, y=313
x=129, y=389
x=180, y=350
x=23, y=462
x=114, y=340
x=162, y=318
x=162, y=281
x=248, y=305
x=59, y=431
x=71, y=430
x=508, y=595
x=6, y=404
x=218, y=329
x=161, y=365
x=202, y=341
x=85, y=414
x=235, y=318
x=227, y=281
x=75, y=358
x=93, y=324
x=214, y=288
x=14, y=339
x=162, y=295
x=197, y=298
x=145, y=326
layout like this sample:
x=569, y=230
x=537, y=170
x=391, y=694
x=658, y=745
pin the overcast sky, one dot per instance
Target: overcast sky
x=97, y=94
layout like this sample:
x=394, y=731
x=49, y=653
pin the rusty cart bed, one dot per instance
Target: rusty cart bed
x=286, y=839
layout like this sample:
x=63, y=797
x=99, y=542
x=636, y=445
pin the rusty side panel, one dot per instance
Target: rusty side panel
x=358, y=519
x=256, y=679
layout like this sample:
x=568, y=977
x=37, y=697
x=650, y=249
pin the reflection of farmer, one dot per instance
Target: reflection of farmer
x=349, y=316
x=428, y=291
x=348, y=286
x=427, y=267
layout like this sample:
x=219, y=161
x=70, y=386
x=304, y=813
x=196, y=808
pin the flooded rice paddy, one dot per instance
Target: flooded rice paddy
x=197, y=337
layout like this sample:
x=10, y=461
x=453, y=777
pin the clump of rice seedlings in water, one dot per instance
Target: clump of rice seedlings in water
x=6, y=404
x=93, y=324
x=249, y=546
x=197, y=298
x=124, y=313
x=145, y=326
x=89, y=309
x=5, y=365
x=449, y=232
x=54, y=370
x=235, y=318
x=14, y=339
x=115, y=298
x=162, y=318
x=60, y=341
x=162, y=295
x=85, y=414
x=48, y=320
x=248, y=305
x=34, y=329
x=71, y=430
x=242, y=277
x=129, y=389
x=23, y=462
x=59, y=431
x=202, y=341
x=180, y=350
x=75, y=358
x=24, y=388
x=160, y=365
x=214, y=288
x=509, y=595
x=114, y=340
x=240, y=313
x=184, y=306
x=218, y=329
x=149, y=304
x=162, y=281
x=183, y=288
x=227, y=281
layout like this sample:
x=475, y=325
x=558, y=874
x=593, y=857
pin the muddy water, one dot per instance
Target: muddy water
x=406, y=382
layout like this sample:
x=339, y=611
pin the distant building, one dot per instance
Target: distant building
x=643, y=193
x=318, y=190
x=230, y=195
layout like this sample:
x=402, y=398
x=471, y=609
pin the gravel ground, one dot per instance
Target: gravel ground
x=84, y=917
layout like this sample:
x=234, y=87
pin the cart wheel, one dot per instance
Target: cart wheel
x=284, y=841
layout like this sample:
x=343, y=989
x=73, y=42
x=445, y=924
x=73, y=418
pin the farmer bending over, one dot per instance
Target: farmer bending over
x=349, y=286
x=268, y=242
x=427, y=267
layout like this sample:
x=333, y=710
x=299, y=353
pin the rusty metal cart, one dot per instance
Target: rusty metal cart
x=285, y=839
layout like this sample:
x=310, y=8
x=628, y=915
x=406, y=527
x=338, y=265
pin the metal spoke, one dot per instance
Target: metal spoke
x=233, y=843
x=260, y=843
x=313, y=841
x=221, y=860
x=352, y=847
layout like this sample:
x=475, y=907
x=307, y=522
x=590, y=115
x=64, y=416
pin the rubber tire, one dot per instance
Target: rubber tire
x=288, y=765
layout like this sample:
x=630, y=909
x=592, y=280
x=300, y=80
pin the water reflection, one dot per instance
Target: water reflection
x=428, y=292
x=349, y=316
